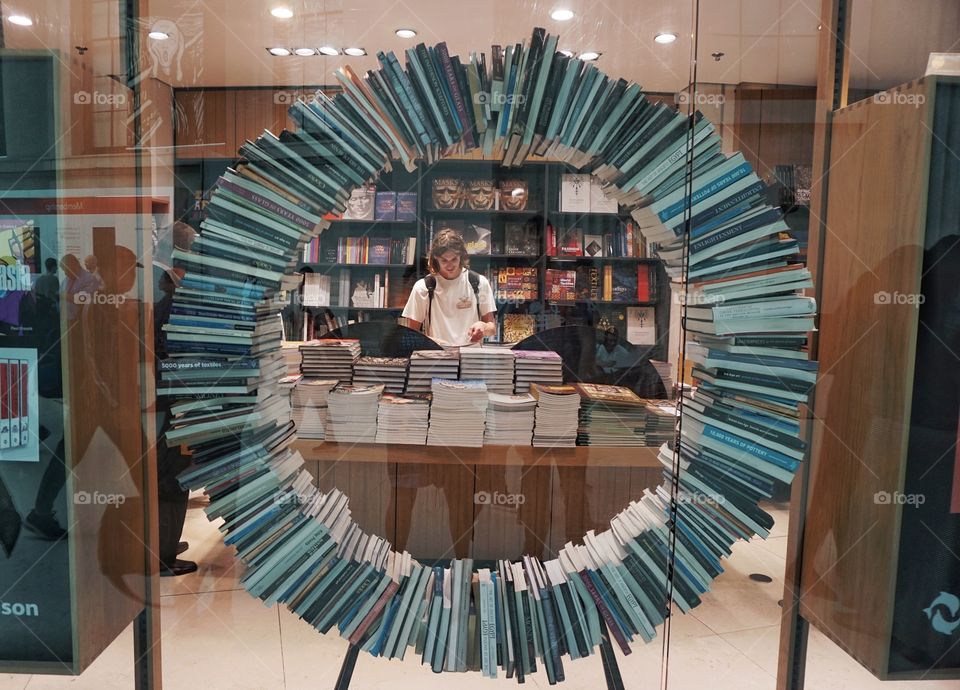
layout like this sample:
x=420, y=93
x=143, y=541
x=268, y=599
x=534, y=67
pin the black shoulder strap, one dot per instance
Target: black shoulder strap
x=474, y=279
x=431, y=283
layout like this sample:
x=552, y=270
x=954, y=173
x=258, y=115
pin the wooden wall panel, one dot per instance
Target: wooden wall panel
x=774, y=126
x=434, y=510
x=873, y=243
x=511, y=511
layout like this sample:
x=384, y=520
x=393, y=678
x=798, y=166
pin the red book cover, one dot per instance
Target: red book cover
x=643, y=283
x=14, y=378
x=4, y=407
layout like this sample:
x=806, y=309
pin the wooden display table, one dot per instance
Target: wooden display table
x=527, y=456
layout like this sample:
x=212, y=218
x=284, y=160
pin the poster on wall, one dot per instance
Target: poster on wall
x=19, y=418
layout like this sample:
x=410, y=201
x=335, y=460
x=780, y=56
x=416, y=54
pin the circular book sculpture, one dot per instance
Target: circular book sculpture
x=738, y=435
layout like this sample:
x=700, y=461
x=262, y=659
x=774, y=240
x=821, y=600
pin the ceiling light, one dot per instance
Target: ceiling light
x=665, y=37
x=406, y=33
x=279, y=52
x=329, y=50
x=282, y=12
x=305, y=52
x=561, y=15
x=354, y=52
x=158, y=35
x=20, y=20
x=589, y=55
x=568, y=53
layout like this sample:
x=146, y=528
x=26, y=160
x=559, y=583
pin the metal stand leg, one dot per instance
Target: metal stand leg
x=611, y=669
x=346, y=670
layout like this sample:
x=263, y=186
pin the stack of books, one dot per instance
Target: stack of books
x=403, y=419
x=510, y=420
x=426, y=365
x=557, y=415
x=353, y=413
x=491, y=364
x=537, y=366
x=330, y=359
x=457, y=413
x=661, y=424
x=291, y=356
x=611, y=416
x=309, y=402
x=390, y=371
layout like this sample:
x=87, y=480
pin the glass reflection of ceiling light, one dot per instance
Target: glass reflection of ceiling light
x=568, y=53
x=329, y=50
x=355, y=52
x=665, y=37
x=589, y=55
x=282, y=12
x=305, y=52
x=159, y=35
x=561, y=15
x=20, y=20
x=406, y=33
x=279, y=52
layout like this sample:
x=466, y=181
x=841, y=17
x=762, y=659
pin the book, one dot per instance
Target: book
x=641, y=326
x=516, y=327
x=520, y=239
x=593, y=245
x=386, y=206
x=360, y=205
x=599, y=201
x=570, y=242
x=406, y=208
x=516, y=283
x=561, y=285
x=574, y=193
x=588, y=282
x=477, y=237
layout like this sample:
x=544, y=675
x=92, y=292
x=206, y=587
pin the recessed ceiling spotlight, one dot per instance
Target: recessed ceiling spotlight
x=562, y=15
x=405, y=33
x=279, y=52
x=567, y=53
x=589, y=55
x=159, y=35
x=329, y=50
x=282, y=12
x=355, y=52
x=20, y=20
x=304, y=52
x=665, y=37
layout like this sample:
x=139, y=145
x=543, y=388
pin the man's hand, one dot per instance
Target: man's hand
x=477, y=331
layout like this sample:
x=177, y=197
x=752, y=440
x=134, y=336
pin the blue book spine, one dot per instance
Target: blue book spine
x=704, y=192
x=765, y=454
x=765, y=218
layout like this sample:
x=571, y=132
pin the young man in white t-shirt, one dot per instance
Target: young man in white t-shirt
x=454, y=318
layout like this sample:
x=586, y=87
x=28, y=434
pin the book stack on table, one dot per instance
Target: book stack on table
x=556, y=416
x=330, y=359
x=426, y=365
x=309, y=401
x=509, y=420
x=611, y=416
x=403, y=419
x=390, y=371
x=352, y=414
x=493, y=365
x=537, y=366
x=457, y=413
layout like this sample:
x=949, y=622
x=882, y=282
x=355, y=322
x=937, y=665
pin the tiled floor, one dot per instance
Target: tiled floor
x=216, y=637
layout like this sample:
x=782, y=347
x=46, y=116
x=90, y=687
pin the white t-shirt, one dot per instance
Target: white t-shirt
x=454, y=307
